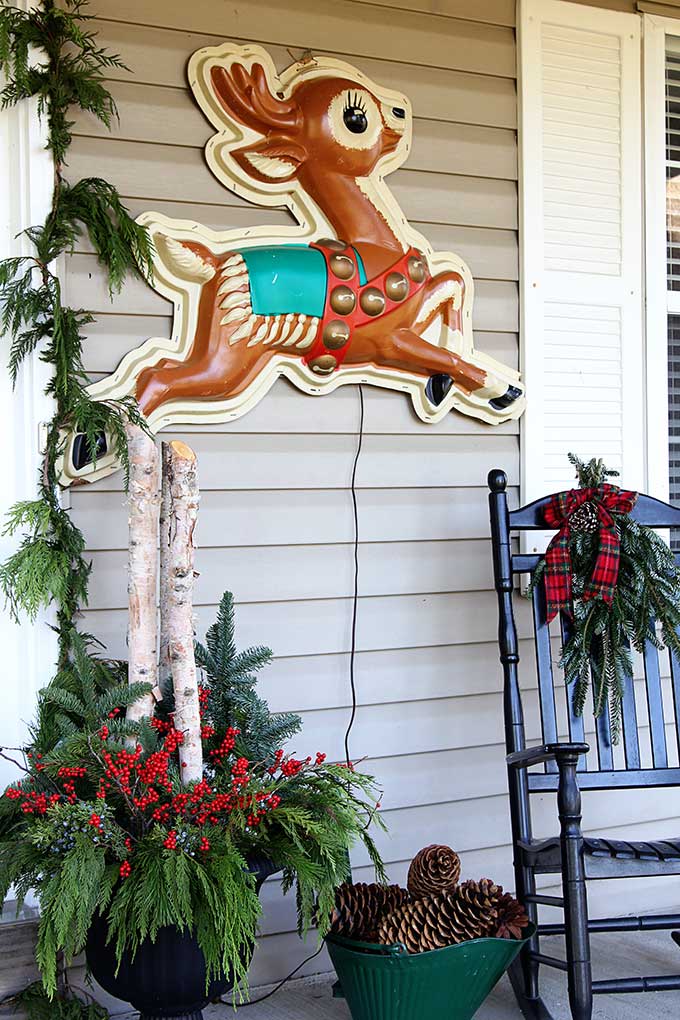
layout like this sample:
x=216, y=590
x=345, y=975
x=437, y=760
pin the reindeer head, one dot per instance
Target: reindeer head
x=318, y=117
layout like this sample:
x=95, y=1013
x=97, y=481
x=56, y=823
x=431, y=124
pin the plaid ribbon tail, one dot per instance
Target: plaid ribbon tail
x=602, y=584
x=558, y=590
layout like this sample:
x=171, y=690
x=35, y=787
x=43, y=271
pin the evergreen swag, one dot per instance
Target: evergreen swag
x=68, y=74
x=601, y=636
x=101, y=822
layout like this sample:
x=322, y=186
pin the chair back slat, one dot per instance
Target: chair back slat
x=546, y=685
x=657, y=727
x=675, y=684
x=603, y=734
x=629, y=719
x=576, y=728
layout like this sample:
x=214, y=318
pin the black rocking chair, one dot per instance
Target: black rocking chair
x=567, y=771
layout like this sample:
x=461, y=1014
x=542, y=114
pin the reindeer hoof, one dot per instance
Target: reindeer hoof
x=81, y=455
x=437, y=388
x=509, y=397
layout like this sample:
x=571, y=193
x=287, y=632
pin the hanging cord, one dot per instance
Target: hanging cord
x=355, y=599
x=276, y=988
x=352, y=679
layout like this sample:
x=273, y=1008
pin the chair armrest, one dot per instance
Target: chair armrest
x=560, y=753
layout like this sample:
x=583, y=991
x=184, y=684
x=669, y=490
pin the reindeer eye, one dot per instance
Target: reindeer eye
x=354, y=115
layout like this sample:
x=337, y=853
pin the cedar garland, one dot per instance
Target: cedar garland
x=49, y=565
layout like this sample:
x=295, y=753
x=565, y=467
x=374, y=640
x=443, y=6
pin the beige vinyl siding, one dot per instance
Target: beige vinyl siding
x=276, y=523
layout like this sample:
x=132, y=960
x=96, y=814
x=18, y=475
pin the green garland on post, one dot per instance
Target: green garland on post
x=602, y=636
x=49, y=565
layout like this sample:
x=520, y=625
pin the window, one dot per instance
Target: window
x=672, y=139
x=662, y=174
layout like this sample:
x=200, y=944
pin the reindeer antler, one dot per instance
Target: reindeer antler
x=246, y=95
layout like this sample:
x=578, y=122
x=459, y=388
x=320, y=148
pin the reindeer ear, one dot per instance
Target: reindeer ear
x=273, y=159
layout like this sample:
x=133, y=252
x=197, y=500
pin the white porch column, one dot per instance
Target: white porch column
x=27, y=651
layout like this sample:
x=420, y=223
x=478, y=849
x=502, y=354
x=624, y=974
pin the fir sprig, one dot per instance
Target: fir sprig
x=68, y=74
x=230, y=680
x=645, y=608
x=37, y=1005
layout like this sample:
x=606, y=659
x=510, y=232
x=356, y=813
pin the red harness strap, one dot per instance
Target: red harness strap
x=350, y=304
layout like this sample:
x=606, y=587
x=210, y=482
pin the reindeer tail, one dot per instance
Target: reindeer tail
x=190, y=260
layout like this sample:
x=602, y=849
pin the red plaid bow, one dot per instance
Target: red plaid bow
x=606, y=500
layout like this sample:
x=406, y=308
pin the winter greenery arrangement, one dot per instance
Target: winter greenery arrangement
x=49, y=53
x=101, y=822
x=601, y=635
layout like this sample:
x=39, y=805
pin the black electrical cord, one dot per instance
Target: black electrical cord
x=355, y=600
x=352, y=680
x=276, y=988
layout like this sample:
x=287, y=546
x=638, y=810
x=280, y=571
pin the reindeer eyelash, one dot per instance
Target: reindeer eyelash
x=356, y=103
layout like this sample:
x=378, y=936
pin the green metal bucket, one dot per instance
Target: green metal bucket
x=386, y=983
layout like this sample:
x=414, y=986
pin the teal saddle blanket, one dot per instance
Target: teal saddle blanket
x=287, y=279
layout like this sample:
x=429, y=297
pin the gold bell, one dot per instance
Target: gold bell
x=416, y=268
x=396, y=286
x=341, y=266
x=335, y=334
x=372, y=301
x=323, y=365
x=343, y=299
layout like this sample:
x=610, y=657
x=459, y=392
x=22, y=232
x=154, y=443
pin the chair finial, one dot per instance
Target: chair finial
x=497, y=480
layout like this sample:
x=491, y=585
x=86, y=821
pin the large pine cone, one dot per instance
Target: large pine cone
x=433, y=870
x=512, y=918
x=482, y=897
x=437, y=921
x=359, y=907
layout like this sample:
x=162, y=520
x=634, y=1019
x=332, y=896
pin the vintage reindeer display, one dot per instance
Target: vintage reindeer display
x=352, y=293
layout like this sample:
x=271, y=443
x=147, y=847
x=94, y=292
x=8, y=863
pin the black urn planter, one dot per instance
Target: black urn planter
x=165, y=979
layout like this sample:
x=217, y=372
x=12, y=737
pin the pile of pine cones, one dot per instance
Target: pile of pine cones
x=434, y=912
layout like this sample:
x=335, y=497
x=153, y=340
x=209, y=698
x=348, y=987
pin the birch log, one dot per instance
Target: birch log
x=143, y=502
x=165, y=673
x=179, y=463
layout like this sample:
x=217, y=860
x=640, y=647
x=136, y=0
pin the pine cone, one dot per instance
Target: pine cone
x=512, y=918
x=585, y=519
x=437, y=921
x=482, y=897
x=433, y=870
x=359, y=907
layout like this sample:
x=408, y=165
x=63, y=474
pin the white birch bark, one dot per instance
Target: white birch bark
x=143, y=502
x=165, y=673
x=179, y=462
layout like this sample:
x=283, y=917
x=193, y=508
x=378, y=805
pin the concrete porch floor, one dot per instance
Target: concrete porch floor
x=620, y=955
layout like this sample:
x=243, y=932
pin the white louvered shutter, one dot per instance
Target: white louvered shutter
x=581, y=217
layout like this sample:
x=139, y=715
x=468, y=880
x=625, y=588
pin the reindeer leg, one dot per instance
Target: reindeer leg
x=444, y=296
x=403, y=349
x=215, y=378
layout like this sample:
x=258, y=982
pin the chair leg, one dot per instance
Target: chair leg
x=532, y=1008
x=525, y=885
x=574, y=892
x=524, y=971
